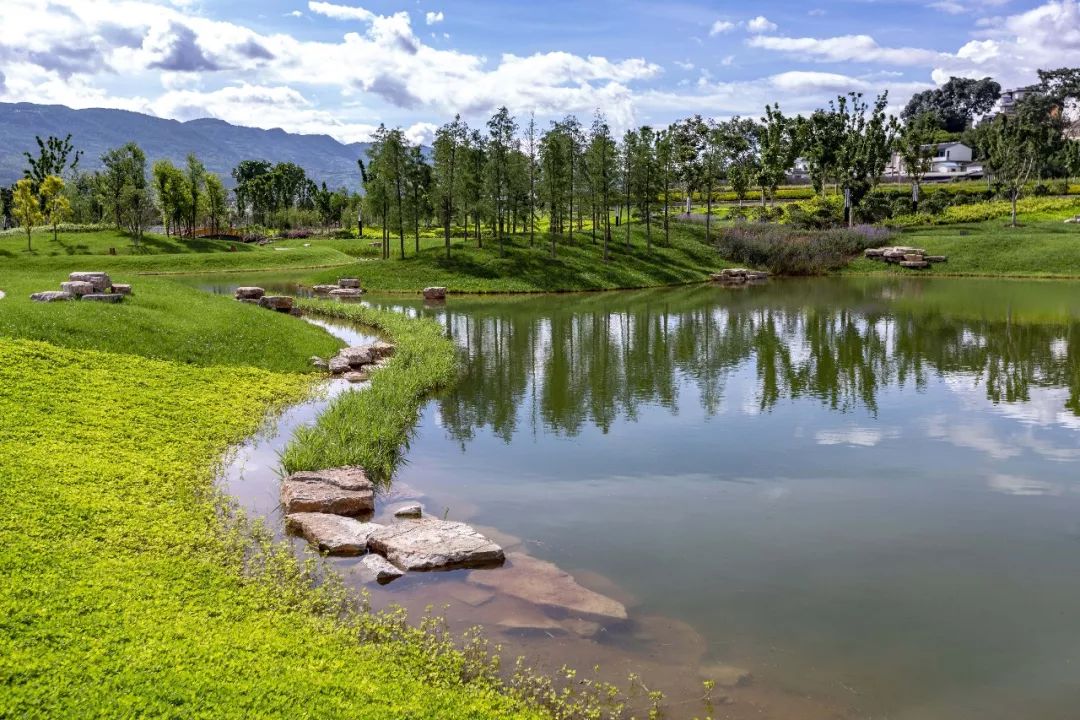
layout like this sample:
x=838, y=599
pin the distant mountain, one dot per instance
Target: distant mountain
x=217, y=143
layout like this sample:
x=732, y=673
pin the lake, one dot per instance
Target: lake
x=865, y=491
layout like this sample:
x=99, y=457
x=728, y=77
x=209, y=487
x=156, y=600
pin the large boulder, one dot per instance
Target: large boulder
x=433, y=544
x=278, y=303
x=333, y=534
x=375, y=568
x=434, y=293
x=52, y=296
x=103, y=297
x=249, y=293
x=339, y=491
x=99, y=280
x=78, y=288
x=357, y=356
x=543, y=583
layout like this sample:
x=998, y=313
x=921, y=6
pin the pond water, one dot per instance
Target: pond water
x=864, y=491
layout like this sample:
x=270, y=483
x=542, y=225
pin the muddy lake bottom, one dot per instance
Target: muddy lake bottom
x=862, y=491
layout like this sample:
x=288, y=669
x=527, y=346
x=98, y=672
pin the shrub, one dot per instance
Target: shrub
x=785, y=250
x=815, y=214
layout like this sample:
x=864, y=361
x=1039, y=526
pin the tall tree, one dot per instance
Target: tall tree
x=217, y=203
x=531, y=150
x=956, y=103
x=447, y=152
x=868, y=140
x=53, y=158
x=915, y=147
x=125, y=185
x=56, y=206
x=823, y=136
x=26, y=209
x=601, y=158
x=665, y=174
x=778, y=146
x=196, y=177
x=1014, y=145
x=501, y=131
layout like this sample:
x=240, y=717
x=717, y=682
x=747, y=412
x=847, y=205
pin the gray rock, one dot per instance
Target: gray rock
x=432, y=544
x=936, y=258
x=323, y=289
x=103, y=297
x=318, y=362
x=249, y=293
x=434, y=293
x=376, y=568
x=914, y=264
x=332, y=534
x=351, y=283
x=78, y=288
x=99, y=280
x=543, y=583
x=279, y=303
x=412, y=510
x=340, y=491
x=121, y=289
x=52, y=296
x=346, y=292
x=356, y=356
x=338, y=365
x=356, y=376
x=381, y=349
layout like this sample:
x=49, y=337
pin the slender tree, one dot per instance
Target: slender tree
x=56, y=206
x=26, y=209
x=915, y=148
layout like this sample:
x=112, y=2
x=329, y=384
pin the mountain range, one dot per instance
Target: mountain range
x=220, y=145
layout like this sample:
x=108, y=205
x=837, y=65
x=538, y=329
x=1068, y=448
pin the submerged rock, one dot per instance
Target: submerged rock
x=99, y=280
x=412, y=510
x=432, y=544
x=334, y=534
x=469, y=594
x=52, y=296
x=340, y=491
x=249, y=293
x=727, y=676
x=543, y=583
x=376, y=568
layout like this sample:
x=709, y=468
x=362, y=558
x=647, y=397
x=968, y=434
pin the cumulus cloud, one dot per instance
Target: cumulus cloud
x=761, y=24
x=721, y=26
x=341, y=12
x=433, y=18
x=845, y=48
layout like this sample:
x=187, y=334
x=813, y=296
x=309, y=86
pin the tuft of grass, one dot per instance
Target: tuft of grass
x=370, y=427
x=785, y=250
x=164, y=320
x=125, y=594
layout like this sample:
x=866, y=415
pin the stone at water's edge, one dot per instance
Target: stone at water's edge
x=376, y=568
x=543, y=583
x=338, y=365
x=249, y=293
x=381, y=349
x=356, y=356
x=99, y=280
x=433, y=544
x=412, y=510
x=339, y=491
x=346, y=292
x=334, y=534
x=323, y=289
x=351, y=283
x=356, y=376
x=318, y=362
x=280, y=303
x=103, y=297
x=52, y=296
x=434, y=293
x=78, y=288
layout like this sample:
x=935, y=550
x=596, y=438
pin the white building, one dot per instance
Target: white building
x=950, y=160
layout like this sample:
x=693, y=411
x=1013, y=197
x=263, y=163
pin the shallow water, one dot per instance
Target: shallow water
x=863, y=490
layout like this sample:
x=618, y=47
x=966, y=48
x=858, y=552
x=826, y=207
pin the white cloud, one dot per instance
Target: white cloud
x=721, y=26
x=295, y=14
x=685, y=65
x=341, y=12
x=761, y=24
x=845, y=48
x=431, y=18
x=1016, y=485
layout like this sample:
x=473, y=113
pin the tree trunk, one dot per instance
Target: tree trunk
x=708, y=216
x=1015, y=193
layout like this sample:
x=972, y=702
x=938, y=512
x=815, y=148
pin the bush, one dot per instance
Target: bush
x=875, y=207
x=815, y=214
x=785, y=250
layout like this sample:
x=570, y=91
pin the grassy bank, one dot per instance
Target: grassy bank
x=1038, y=249
x=578, y=265
x=370, y=428
x=105, y=241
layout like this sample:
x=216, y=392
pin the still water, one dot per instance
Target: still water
x=860, y=490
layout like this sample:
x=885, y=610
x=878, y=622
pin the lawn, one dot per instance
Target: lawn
x=100, y=242
x=124, y=592
x=578, y=264
x=1039, y=248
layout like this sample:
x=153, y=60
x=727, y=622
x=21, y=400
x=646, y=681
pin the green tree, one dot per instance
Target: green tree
x=1071, y=160
x=778, y=146
x=53, y=159
x=823, y=136
x=1012, y=153
x=601, y=158
x=501, y=131
x=868, y=141
x=915, y=147
x=56, y=206
x=125, y=188
x=665, y=173
x=531, y=150
x=217, y=202
x=956, y=103
x=26, y=208
x=196, y=177
x=447, y=151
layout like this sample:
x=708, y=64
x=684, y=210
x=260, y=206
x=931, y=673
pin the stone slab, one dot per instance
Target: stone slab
x=333, y=534
x=339, y=491
x=432, y=544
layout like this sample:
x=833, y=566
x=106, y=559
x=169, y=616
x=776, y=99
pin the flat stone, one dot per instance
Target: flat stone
x=323, y=289
x=914, y=264
x=338, y=365
x=432, y=544
x=99, y=280
x=936, y=258
x=356, y=376
x=52, y=296
x=280, y=303
x=351, y=283
x=376, y=568
x=581, y=627
x=434, y=293
x=333, y=534
x=78, y=288
x=249, y=293
x=318, y=362
x=727, y=676
x=874, y=252
x=471, y=595
x=121, y=289
x=346, y=292
x=103, y=297
x=912, y=257
x=412, y=510
x=340, y=491
x=543, y=583
x=357, y=356
x=528, y=619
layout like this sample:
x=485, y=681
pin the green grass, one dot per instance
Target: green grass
x=164, y=320
x=578, y=264
x=125, y=595
x=370, y=427
x=1039, y=249
x=99, y=242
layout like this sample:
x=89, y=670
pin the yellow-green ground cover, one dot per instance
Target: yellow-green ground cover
x=126, y=592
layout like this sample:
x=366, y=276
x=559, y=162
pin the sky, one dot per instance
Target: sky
x=342, y=68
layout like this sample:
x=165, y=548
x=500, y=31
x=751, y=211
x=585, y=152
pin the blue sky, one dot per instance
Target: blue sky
x=342, y=67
